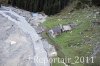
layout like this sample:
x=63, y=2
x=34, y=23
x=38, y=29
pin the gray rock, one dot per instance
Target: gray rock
x=16, y=47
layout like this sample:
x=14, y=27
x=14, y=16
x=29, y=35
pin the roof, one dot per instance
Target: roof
x=57, y=29
x=67, y=27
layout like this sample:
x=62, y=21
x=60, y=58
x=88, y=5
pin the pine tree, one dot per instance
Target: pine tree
x=47, y=6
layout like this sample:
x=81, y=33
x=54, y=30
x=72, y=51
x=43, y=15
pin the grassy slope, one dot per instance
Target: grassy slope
x=75, y=42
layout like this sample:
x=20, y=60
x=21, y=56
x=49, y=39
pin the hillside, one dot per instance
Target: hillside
x=50, y=32
x=83, y=41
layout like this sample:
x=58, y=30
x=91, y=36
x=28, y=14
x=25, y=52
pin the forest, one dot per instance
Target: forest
x=49, y=7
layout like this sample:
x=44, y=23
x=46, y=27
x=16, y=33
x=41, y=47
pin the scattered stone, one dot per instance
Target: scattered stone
x=50, y=49
x=39, y=29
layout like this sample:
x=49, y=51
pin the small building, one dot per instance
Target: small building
x=55, y=31
x=66, y=28
x=61, y=28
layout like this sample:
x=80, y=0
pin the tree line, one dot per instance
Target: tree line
x=47, y=6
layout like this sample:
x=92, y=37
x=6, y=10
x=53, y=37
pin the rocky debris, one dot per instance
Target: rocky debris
x=33, y=18
x=50, y=49
x=16, y=47
x=39, y=29
x=96, y=50
x=21, y=12
x=40, y=53
x=14, y=39
x=34, y=22
x=12, y=16
x=37, y=19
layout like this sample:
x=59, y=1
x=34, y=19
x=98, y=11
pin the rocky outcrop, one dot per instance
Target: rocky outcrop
x=20, y=43
x=16, y=47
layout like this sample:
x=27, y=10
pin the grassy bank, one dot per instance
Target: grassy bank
x=79, y=41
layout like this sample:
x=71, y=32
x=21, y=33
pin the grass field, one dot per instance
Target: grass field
x=79, y=41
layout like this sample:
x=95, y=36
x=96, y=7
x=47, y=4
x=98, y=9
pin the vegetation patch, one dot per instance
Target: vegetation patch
x=77, y=42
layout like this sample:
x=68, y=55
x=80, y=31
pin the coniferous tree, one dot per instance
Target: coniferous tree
x=47, y=6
